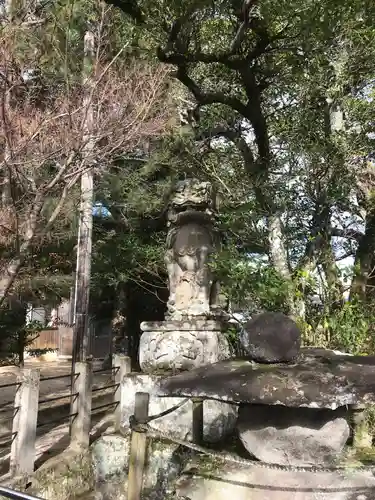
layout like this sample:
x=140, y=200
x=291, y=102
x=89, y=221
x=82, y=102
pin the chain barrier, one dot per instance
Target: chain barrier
x=150, y=418
x=144, y=427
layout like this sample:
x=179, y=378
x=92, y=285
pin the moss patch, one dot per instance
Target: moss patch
x=71, y=475
x=354, y=458
x=59, y=478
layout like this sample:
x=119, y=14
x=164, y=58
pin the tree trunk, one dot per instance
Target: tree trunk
x=10, y=9
x=334, y=284
x=119, y=320
x=364, y=258
x=278, y=252
x=279, y=259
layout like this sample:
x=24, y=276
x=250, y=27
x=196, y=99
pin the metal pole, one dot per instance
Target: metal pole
x=8, y=493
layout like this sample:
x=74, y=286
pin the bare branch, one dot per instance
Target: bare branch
x=45, y=143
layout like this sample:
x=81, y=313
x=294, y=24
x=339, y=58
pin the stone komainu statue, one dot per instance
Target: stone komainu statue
x=190, y=242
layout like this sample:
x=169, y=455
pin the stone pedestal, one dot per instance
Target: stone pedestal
x=173, y=345
x=219, y=418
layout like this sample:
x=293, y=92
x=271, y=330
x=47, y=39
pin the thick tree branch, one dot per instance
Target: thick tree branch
x=174, y=53
x=233, y=136
x=351, y=234
x=255, y=113
x=252, y=167
x=131, y=8
x=203, y=98
x=172, y=57
x=229, y=59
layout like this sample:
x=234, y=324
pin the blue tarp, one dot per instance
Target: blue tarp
x=99, y=210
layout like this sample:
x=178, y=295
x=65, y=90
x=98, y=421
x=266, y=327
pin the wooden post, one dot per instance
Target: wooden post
x=197, y=420
x=138, y=448
x=85, y=225
x=362, y=437
x=22, y=455
x=81, y=422
x=122, y=366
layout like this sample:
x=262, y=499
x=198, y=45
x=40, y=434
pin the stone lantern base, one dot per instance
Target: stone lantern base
x=178, y=345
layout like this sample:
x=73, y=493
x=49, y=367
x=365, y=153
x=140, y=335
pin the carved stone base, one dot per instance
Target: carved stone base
x=181, y=345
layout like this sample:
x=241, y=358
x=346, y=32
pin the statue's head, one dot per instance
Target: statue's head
x=193, y=194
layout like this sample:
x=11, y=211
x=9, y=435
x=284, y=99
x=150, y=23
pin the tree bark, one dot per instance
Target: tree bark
x=277, y=248
x=119, y=320
x=335, y=293
x=364, y=258
x=10, y=7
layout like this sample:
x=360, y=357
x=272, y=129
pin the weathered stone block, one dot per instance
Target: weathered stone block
x=110, y=458
x=293, y=436
x=272, y=338
x=219, y=418
x=320, y=378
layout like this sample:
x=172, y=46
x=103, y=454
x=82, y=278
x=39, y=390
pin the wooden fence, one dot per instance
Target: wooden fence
x=60, y=340
x=24, y=417
x=46, y=339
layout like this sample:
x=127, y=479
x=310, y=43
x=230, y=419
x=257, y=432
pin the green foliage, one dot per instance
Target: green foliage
x=11, y=325
x=232, y=336
x=348, y=328
x=123, y=256
x=370, y=421
x=251, y=282
x=16, y=336
x=131, y=244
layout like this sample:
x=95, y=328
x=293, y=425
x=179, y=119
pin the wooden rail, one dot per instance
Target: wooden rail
x=26, y=406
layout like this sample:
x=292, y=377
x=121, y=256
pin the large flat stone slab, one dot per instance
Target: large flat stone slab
x=318, y=379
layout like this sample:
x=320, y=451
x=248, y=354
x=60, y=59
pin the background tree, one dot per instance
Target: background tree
x=44, y=138
x=43, y=145
x=276, y=92
x=272, y=102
